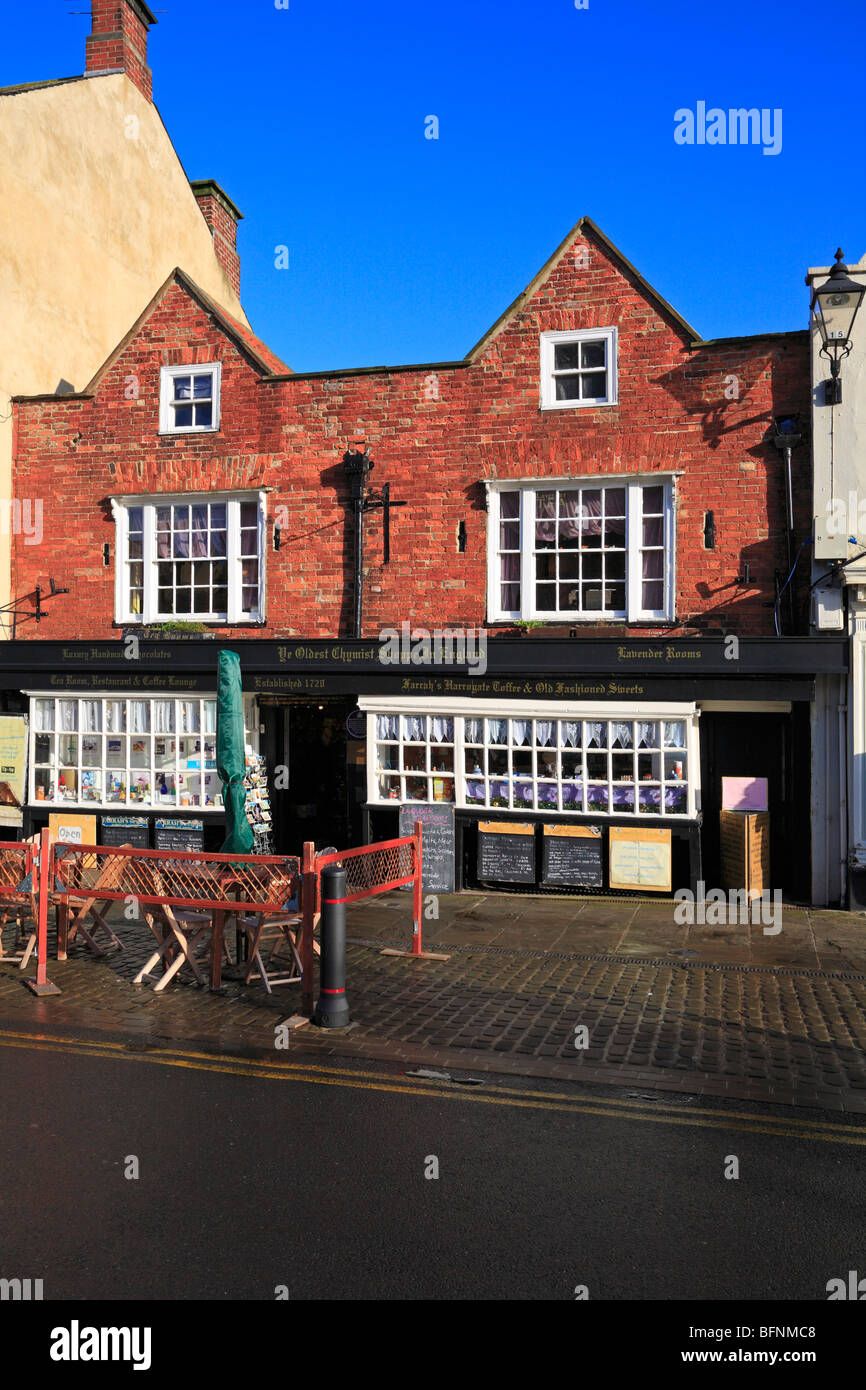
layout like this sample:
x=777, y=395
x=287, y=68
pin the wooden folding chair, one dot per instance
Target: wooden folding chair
x=272, y=939
x=177, y=930
x=18, y=906
x=110, y=877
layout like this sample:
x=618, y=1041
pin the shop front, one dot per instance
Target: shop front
x=567, y=764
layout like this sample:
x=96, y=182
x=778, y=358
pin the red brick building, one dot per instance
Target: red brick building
x=592, y=468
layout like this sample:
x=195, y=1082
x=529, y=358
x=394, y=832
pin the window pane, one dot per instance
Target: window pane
x=183, y=601
x=510, y=598
x=249, y=514
x=614, y=501
x=249, y=542
x=136, y=519
x=592, y=354
x=509, y=504
x=509, y=535
x=653, y=594
x=654, y=531
x=183, y=416
x=204, y=386
x=545, y=598
x=249, y=600
x=204, y=415
x=653, y=564
x=566, y=357
x=182, y=389
x=220, y=600
x=201, y=602
x=593, y=386
x=568, y=388
x=653, y=500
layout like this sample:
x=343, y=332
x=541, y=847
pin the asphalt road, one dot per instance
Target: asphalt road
x=251, y=1177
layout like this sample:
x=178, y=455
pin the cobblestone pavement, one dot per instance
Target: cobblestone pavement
x=728, y=1013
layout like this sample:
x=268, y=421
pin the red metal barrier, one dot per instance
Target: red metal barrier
x=371, y=869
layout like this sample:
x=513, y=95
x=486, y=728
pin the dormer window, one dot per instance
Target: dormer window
x=578, y=369
x=189, y=399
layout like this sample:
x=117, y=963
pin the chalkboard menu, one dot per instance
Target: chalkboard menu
x=125, y=830
x=437, y=841
x=184, y=835
x=573, y=855
x=506, y=851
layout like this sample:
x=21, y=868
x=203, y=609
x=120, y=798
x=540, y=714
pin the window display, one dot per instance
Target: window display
x=571, y=760
x=120, y=751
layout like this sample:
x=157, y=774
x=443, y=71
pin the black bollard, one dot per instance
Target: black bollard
x=332, y=1010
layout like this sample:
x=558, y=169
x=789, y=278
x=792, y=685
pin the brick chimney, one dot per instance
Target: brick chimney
x=221, y=215
x=118, y=41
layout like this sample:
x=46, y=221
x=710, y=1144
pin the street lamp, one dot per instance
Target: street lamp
x=835, y=305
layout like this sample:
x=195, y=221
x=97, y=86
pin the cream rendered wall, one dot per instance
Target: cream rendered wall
x=95, y=213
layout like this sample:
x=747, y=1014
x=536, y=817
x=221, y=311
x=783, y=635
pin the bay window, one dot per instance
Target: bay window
x=116, y=750
x=581, y=550
x=568, y=758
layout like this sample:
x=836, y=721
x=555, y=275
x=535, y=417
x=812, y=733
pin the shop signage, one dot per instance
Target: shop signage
x=437, y=844
x=13, y=768
x=640, y=857
x=125, y=830
x=506, y=852
x=572, y=855
x=71, y=829
x=744, y=793
x=174, y=833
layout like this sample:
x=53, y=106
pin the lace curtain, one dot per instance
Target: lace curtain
x=386, y=727
x=620, y=734
x=442, y=730
x=414, y=727
x=544, y=733
x=521, y=732
x=675, y=734
x=570, y=733
x=647, y=734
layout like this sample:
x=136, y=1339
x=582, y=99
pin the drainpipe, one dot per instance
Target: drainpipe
x=842, y=715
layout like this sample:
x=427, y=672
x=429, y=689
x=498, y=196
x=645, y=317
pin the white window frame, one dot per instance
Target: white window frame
x=634, y=613
x=166, y=393
x=548, y=342
x=157, y=804
x=234, y=617
x=462, y=709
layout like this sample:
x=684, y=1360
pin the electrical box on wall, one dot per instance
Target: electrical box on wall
x=830, y=542
x=829, y=610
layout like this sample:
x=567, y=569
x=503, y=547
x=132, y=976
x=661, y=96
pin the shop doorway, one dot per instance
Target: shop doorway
x=304, y=742
x=775, y=746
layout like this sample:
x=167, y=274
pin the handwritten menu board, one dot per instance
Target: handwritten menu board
x=640, y=858
x=437, y=844
x=573, y=855
x=183, y=835
x=125, y=830
x=506, y=851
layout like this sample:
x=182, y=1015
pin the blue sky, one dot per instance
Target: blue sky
x=404, y=249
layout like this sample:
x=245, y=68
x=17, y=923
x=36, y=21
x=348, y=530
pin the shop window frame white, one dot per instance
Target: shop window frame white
x=462, y=710
x=128, y=806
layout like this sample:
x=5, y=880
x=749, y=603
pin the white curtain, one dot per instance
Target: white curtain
x=496, y=731
x=443, y=730
x=675, y=734
x=474, y=731
x=44, y=715
x=189, y=715
x=386, y=727
x=647, y=734
x=595, y=734
x=621, y=733
x=139, y=716
x=521, y=732
x=163, y=716
x=91, y=716
x=570, y=733
x=68, y=715
x=544, y=733
x=414, y=727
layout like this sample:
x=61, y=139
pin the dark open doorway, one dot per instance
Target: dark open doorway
x=304, y=742
x=775, y=746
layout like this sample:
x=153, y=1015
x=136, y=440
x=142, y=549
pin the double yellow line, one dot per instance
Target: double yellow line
x=314, y=1074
